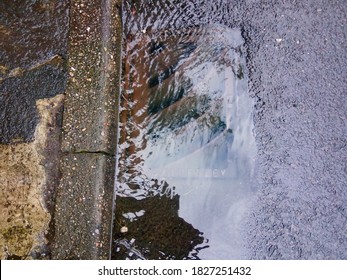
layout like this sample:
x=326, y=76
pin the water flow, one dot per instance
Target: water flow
x=186, y=150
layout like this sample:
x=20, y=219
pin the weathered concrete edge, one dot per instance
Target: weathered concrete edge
x=83, y=230
x=84, y=207
x=94, y=50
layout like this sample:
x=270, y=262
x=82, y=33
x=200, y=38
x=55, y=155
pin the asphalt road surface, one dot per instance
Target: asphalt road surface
x=297, y=58
x=297, y=64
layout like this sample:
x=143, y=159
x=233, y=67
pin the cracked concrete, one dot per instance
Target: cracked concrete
x=85, y=197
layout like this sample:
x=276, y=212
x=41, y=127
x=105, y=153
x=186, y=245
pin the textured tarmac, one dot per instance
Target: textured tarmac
x=297, y=67
x=296, y=58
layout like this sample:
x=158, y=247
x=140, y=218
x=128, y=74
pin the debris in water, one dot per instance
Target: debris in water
x=124, y=229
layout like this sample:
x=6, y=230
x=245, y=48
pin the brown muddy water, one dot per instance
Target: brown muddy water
x=186, y=147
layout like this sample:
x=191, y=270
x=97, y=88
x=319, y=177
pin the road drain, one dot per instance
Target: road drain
x=186, y=148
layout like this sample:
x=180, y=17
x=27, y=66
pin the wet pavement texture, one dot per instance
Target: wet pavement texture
x=31, y=32
x=33, y=51
x=84, y=202
x=92, y=92
x=297, y=59
x=83, y=212
x=32, y=62
x=296, y=63
x=19, y=93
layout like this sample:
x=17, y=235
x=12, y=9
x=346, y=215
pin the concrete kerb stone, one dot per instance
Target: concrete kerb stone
x=94, y=49
x=84, y=203
x=83, y=215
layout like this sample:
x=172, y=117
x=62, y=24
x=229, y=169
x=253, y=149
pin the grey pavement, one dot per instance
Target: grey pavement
x=297, y=68
x=297, y=58
x=297, y=61
x=84, y=205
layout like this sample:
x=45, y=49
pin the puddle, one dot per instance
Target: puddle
x=186, y=149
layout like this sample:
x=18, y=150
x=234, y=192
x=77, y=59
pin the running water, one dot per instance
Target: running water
x=186, y=145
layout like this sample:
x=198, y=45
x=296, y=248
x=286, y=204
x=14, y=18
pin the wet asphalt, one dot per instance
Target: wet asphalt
x=33, y=53
x=298, y=69
x=296, y=58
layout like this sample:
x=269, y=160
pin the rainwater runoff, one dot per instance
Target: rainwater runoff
x=186, y=151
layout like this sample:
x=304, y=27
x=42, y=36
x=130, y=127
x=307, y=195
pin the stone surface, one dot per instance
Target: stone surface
x=32, y=68
x=18, y=94
x=84, y=204
x=93, y=87
x=28, y=177
x=83, y=216
x=33, y=50
x=32, y=32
